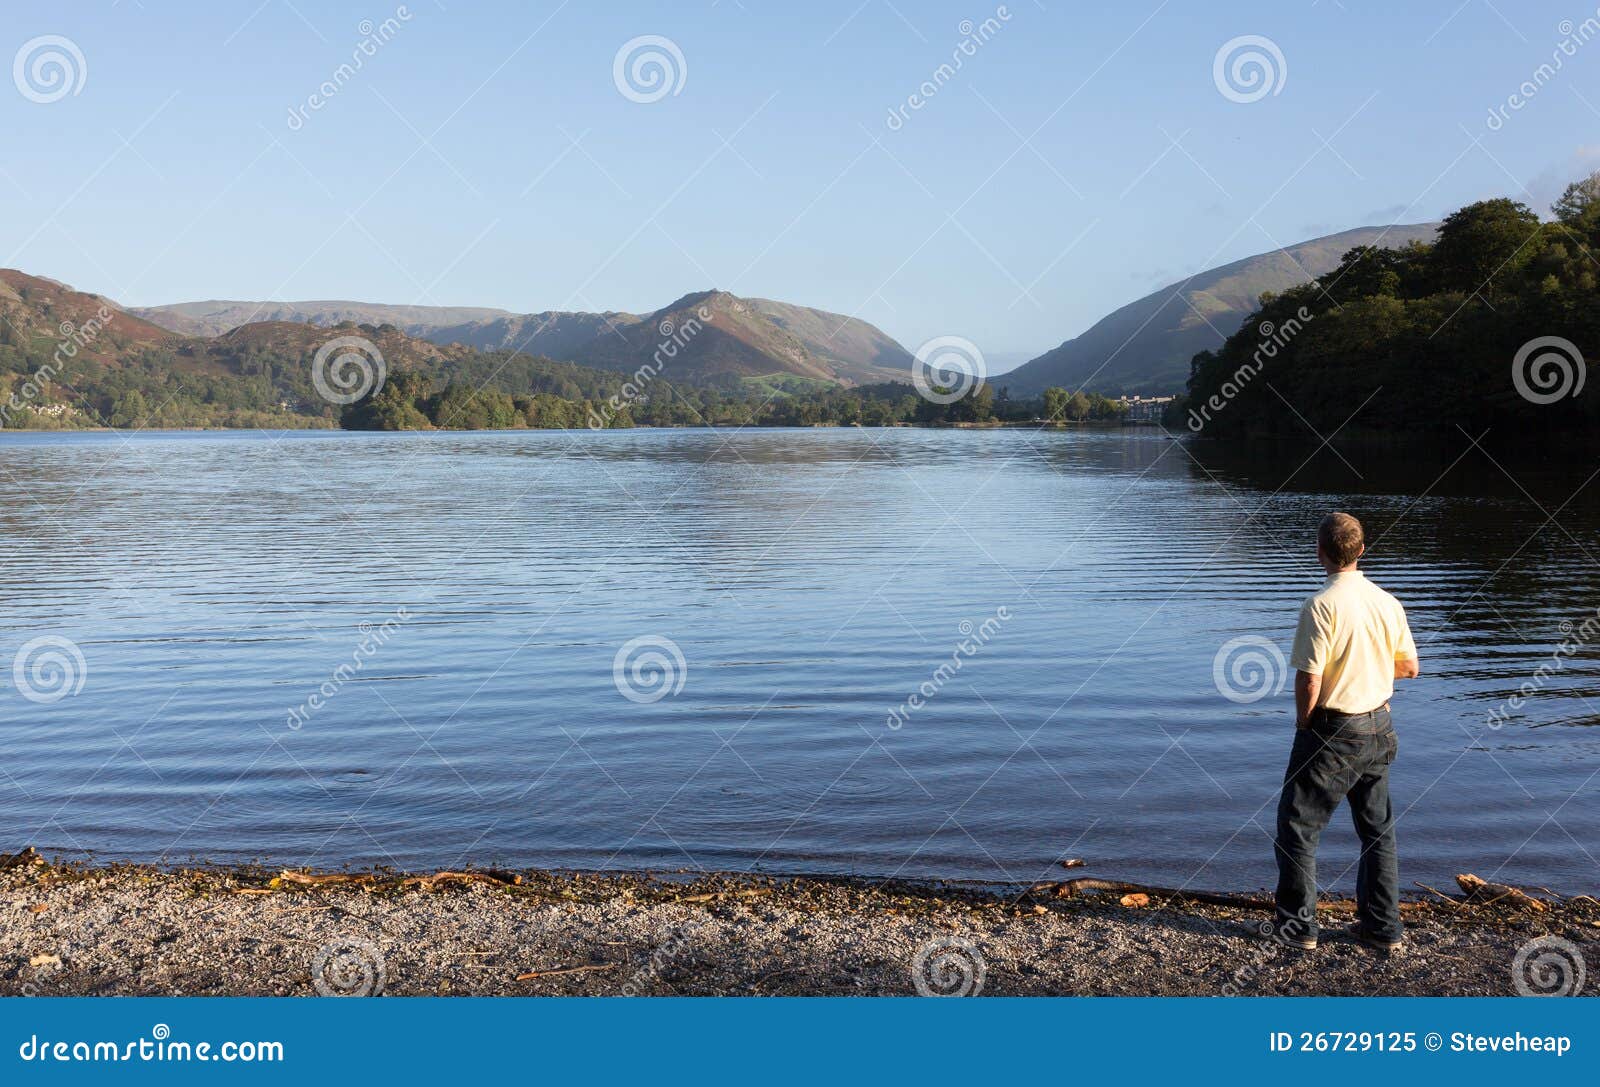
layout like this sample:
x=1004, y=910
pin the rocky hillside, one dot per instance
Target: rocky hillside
x=37, y=313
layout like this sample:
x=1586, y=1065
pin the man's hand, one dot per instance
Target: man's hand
x=1406, y=668
x=1306, y=688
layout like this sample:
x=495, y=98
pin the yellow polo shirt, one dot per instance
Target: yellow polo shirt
x=1351, y=634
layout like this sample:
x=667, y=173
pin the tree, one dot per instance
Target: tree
x=461, y=407
x=1365, y=270
x=129, y=410
x=1055, y=404
x=393, y=407
x=977, y=406
x=1481, y=243
x=1578, y=199
x=1406, y=325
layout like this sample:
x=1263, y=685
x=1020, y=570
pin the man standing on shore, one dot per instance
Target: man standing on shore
x=1351, y=644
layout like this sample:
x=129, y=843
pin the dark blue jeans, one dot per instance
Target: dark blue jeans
x=1336, y=758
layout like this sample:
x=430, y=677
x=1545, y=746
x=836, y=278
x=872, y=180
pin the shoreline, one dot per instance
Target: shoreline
x=141, y=930
x=1030, y=424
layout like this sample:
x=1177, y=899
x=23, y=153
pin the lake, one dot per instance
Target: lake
x=698, y=649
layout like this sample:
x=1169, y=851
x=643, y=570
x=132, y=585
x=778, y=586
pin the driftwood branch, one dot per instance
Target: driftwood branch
x=1481, y=892
x=1456, y=902
x=1074, y=887
x=553, y=972
x=717, y=896
x=371, y=879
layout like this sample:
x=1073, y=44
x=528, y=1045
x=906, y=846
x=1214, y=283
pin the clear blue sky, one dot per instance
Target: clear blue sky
x=1038, y=189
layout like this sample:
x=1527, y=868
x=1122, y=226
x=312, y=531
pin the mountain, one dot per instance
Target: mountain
x=707, y=334
x=70, y=358
x=856, y=350
x=555, y=334
x=215, y=317
x=33, y=308
x=1146, y=346
x=749, y=337
x=289, y=340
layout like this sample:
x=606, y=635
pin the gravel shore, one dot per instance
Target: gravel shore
x=136, y=930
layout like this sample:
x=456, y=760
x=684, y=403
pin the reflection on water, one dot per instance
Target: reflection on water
x=442, y=614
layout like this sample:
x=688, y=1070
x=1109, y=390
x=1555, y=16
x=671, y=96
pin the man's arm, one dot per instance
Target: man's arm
x=1405, y=652
x=1307, y=685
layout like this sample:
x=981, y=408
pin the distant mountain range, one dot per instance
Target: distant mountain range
x=215, y=317
x=1145, y=346
x=709, y=333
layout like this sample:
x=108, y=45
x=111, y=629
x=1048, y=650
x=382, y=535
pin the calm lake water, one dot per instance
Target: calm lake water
x=402, y=649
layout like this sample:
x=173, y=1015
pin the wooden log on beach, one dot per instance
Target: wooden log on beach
x=1074, y=887
x=497, y=879
x=1481, y=892
x=588, y=968
x=368, y=879
x=718, y=896
x=324, y=879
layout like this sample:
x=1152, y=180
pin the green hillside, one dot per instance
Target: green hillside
x=1145, y=346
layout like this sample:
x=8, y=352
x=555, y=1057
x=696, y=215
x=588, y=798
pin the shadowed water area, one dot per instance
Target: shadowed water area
x=456, y=603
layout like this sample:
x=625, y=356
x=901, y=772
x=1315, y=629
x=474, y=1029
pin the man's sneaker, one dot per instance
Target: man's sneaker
x=1377, y=943
x=1286, y=936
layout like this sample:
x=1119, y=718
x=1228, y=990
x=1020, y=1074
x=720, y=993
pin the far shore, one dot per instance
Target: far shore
x=1030, y=424
x=137, y=930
